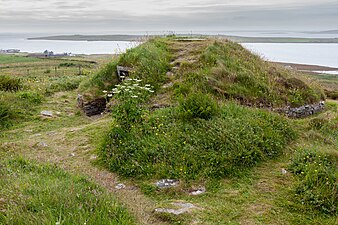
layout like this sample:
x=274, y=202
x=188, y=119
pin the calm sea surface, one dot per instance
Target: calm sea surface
x=12, y=41
x=313, y=54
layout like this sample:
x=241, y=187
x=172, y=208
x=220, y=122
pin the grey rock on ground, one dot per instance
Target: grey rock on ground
x=47, y=113
x=167, y=183
x=184, y=207
x=120, y=186
x=199, y=191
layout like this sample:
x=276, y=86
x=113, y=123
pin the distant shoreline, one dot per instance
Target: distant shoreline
x=140, y=38
x=307, y=68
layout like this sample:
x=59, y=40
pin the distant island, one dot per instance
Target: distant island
x=140, y=38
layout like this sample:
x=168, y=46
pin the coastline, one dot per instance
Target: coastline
x=307, y=67
x=240, y=39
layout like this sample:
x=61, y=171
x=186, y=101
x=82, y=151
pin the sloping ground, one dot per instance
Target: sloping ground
x=227, y=70
x=69, y=142
x=264, y=193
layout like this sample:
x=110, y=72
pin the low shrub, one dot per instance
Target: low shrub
x=64, y=84
x=317, y=185
x=130, y=95
x=8, y=83
x=198, y=105
x=5, y=115
x=67, y=64
x=32, y=97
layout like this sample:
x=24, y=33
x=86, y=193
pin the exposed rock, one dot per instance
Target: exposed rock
x=303, y=111
x=47, y=113
x=199, y=191
x=159, y=106
x=284, y=171
x=168, y=85
x=95, y=107
x=123, y=72
x=120, y=186
x=167, y=183
x=72, y=154
x=51, y=133
x=79, y=100
x=184, y=207
x=169, y=74
x=42, y=144
x=93, y=157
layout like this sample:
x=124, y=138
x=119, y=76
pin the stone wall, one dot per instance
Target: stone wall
x=303, y=111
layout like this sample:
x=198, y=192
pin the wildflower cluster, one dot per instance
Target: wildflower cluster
x=317, y=184
x=131, y=88
x=130, y=94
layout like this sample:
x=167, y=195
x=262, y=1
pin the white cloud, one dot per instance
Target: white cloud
x=20, y=14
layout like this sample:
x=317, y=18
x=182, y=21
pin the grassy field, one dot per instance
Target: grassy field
x=10, y=59
x=257, y=167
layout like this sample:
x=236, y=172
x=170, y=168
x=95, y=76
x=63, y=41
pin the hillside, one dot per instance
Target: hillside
x=191, y=136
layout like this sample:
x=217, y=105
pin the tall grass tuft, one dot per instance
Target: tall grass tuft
x=317, y=185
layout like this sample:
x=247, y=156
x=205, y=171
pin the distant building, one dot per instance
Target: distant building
x=9, y=51
x=48, y=54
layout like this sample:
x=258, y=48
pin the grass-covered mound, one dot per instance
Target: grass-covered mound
x=226, y=69
x=150, y=61
x=40, y=194
x=201, y=136
x=219, y=67
x=167, y=143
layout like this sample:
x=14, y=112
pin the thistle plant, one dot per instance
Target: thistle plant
x=130, y=95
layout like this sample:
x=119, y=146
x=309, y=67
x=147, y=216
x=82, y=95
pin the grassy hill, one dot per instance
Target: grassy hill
x=197, y=111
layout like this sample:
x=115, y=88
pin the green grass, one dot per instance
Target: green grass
x=8, y=59
x=236, y=73
x=317, y=185
x=41, y=194
x=167, y=146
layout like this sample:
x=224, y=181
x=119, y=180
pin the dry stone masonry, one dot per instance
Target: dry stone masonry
x=303, y=111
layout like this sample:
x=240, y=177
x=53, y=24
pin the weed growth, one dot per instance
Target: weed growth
x=317, y=185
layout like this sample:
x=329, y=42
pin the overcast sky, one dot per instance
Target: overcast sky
x=109, y=16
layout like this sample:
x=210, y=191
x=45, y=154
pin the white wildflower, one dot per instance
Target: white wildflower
x=104, y=91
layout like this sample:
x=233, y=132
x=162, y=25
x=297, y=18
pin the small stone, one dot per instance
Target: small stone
x=284, y=171
x=58, y=113
x=47, y=113
x=93, y=157
x=169, y=74
x=184, y=207
x=72, y=154
x=29, y=131
x=167, y=183
x=120, y=186
x=51, y=133
x=168, y=85
x=42, y=144
x=199, y=191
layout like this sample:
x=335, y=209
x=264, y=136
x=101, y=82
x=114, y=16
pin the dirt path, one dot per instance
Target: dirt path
x=73, y=148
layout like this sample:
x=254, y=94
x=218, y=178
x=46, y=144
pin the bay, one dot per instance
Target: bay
x=19, y=41
x=300, y=53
